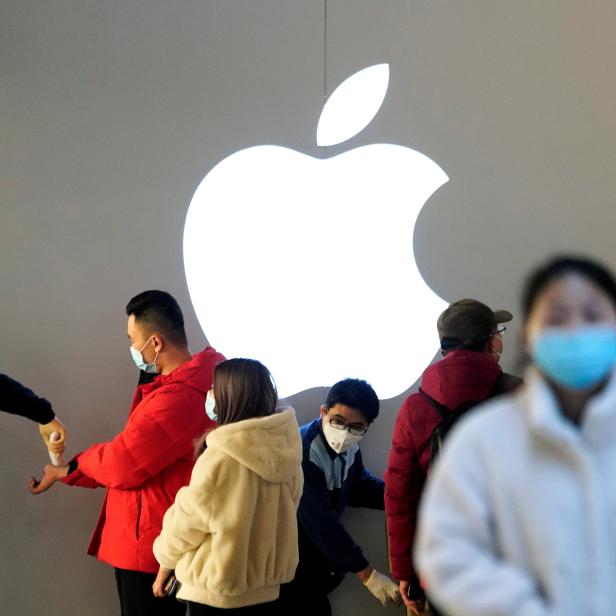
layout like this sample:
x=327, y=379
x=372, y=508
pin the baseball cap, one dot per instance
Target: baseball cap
x=468, y=322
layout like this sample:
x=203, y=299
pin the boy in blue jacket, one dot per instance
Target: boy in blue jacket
x=334, y=477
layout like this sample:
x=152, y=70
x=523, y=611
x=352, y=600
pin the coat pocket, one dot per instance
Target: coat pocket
x=138, y=515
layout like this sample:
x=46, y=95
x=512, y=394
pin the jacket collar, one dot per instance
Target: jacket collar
x=598, y=426
x=461, y=376
x=191, y=372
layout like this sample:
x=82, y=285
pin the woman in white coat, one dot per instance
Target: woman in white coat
x=519, y=516
x=231, y=534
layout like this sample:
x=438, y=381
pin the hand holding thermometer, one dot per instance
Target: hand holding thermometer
x=57, y=459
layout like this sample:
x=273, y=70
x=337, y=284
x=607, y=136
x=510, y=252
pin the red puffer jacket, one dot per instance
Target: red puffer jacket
x=147, y=463
x=460, y=377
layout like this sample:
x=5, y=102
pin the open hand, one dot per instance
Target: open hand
x=51, y=474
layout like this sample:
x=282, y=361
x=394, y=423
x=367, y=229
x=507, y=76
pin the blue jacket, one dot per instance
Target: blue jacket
x=331, y=482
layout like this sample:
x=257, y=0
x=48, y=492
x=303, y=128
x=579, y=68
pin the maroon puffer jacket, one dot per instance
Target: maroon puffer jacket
x=460, y=377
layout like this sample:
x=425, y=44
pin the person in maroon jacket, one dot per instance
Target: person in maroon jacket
x=471, y=342
x=145, y=465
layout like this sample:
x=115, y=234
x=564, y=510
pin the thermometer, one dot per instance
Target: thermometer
x=57, y=459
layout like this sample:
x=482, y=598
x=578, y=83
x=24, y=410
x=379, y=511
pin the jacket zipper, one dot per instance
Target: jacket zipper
x=138, y=515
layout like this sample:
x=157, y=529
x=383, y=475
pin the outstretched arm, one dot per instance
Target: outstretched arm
x=19, y=400
x=153, y=439
x=320, y=521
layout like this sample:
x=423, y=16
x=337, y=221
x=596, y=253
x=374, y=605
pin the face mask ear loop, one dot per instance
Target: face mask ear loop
x=146, y=344
x=157, y=352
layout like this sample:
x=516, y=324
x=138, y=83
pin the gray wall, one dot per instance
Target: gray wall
x=112, y=112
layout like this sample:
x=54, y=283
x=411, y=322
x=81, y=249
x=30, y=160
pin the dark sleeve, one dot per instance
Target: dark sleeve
x=320, y=522
x=366, y=489
x=19, y=400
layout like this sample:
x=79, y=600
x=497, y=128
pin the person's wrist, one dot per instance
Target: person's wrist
x=365, y=574
x=62, y=470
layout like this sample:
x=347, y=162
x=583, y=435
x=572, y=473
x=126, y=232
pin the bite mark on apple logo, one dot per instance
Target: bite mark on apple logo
x=307, y=264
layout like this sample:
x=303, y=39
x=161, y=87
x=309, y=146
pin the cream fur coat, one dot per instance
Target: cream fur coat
x=231, y=534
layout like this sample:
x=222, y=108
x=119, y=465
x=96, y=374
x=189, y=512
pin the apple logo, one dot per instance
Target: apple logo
x=307, y=263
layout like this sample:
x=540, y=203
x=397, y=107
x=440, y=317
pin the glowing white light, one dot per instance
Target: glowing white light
x=353, y=105
x=307, y=264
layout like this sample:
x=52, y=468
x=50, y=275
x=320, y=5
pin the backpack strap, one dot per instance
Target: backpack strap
x=441, y=409
x=504, y=384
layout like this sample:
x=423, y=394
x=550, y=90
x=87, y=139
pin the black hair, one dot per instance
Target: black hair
x=159, y=310
x=356, y=394
x=449, y=344
x=478, y=346
x=560, y=266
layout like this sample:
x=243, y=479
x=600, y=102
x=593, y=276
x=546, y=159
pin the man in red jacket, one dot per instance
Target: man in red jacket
x=145, y=465
x=471, y=342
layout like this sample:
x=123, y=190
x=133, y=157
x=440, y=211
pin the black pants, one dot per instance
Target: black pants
x=137, y=599
x=302, y=599
x=262, y=609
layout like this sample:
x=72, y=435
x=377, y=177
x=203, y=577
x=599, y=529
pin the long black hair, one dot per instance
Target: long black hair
x=243, y=389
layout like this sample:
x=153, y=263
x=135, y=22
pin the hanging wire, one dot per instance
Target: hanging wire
x=324, y=50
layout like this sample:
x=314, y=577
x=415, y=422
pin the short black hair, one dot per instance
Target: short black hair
x=356, y=394
x=560, y=266
x=160, y=310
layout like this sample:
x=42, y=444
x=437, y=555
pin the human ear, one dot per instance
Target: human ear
x=158, y=343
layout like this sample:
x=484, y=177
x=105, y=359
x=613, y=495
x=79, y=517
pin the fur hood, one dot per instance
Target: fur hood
x=269, y=446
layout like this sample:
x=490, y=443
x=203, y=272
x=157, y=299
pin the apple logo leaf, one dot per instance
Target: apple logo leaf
x=353, y=105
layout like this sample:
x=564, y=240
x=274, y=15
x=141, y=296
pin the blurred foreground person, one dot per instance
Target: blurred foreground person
x=231, y=535
x=517, y=517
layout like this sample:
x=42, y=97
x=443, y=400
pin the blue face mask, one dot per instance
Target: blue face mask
x=210, y=406
x=576, y=359
x=138, y=359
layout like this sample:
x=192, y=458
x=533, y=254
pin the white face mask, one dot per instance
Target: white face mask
x=210, y=406
x=339, y=440
x=139, y=361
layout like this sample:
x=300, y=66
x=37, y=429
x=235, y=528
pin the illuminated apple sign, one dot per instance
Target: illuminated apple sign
x=307, y=264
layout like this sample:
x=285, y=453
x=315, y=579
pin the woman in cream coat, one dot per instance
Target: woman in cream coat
x=519, y=516
x=231, y=535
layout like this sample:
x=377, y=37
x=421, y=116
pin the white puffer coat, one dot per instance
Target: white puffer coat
x=519, y=516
